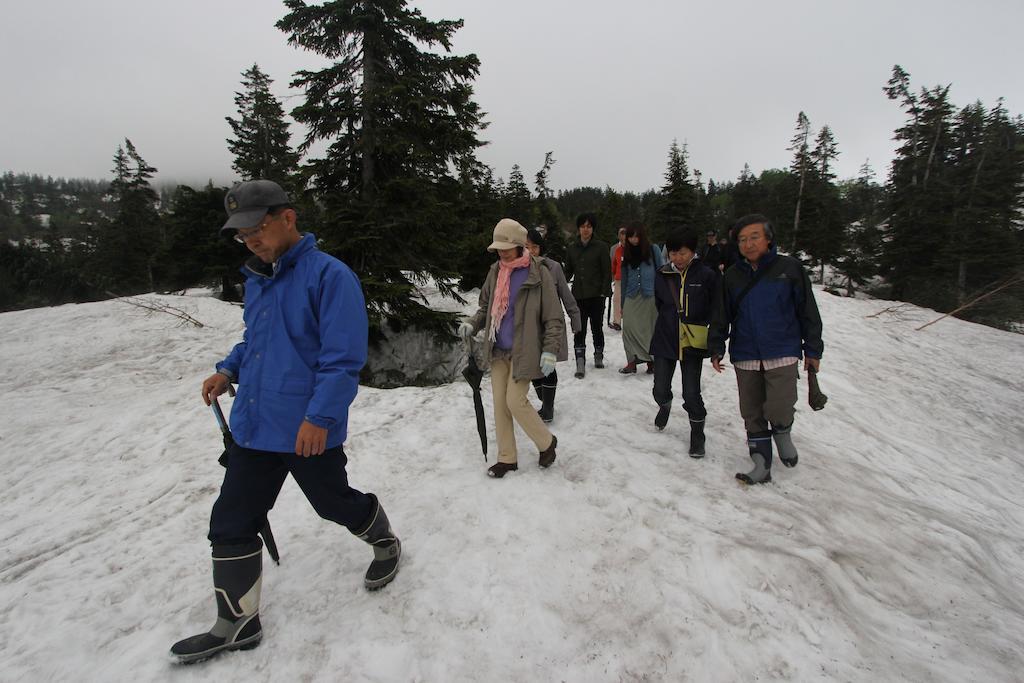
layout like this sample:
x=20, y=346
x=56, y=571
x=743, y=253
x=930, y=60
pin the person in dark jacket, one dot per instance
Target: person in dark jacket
x=546, y=387
x=297, y=369
x=766, y=309
x=588, y=265
x=684, y=291
x=710, y=254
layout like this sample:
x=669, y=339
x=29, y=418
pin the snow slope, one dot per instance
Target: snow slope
x=894, y=551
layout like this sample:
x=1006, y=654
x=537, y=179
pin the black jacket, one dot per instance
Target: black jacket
x=711, y=255
x=694, y=307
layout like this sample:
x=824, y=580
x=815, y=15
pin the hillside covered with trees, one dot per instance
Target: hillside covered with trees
x=396, y=189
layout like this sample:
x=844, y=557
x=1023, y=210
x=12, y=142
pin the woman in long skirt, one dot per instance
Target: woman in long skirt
x=640, y=262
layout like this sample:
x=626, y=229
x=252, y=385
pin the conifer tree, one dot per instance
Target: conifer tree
x=921, y=197
x=677, y=200
x=518, y=203
x=800, y=168
x=127, y=246
x=545, y=212
x=261, y=139
x=863, y=213
x=395, y=108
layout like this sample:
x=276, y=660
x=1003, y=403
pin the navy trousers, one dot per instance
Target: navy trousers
x=254, y=478
x=664, y=368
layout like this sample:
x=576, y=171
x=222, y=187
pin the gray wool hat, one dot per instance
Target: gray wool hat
x=247, y=203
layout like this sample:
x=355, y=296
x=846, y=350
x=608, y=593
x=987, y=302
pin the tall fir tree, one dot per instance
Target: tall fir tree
x=801, y=168
x=677, y=200
x=921, y=197
x=261, y=139
x=398, y=120
x=863, y=204
x=518, y=203
x=545, y=211
x=126, y=247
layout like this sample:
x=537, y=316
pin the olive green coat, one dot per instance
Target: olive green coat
x=539, y=321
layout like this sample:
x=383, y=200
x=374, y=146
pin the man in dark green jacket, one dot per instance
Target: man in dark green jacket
x=588, y=265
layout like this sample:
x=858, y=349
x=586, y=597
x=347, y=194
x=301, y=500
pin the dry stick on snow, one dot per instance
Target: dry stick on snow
x=158, y=307
x=891, y=309
x=1008, y=283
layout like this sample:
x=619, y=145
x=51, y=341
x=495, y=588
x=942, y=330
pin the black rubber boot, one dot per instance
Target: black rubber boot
x=237, y=579
x=661, y=419
x=599, y=357
x=581, y=363
x=387, y=549
x=547, y=409
x=784, y=442
x=696, y=438
x=760, y=444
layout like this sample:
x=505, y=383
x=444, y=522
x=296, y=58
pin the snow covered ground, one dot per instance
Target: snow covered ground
x=894, y=551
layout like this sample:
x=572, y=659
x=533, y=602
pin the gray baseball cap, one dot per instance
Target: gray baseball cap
x=247, y=203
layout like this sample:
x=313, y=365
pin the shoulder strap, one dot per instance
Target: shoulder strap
x=763, y=272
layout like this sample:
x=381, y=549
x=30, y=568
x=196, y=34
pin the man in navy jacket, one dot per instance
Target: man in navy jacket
x=297, y=369
x=766, y=309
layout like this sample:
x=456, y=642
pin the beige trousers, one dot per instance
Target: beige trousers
x=510, y=402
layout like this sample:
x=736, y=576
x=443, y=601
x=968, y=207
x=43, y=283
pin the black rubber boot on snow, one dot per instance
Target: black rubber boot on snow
x=760, y=444
x=696, y=438
x=599, y=357
x=581, y=363
x=661, y=419
x=387, y=549
x=547, y=397
x=237, y=572
x=784, y=442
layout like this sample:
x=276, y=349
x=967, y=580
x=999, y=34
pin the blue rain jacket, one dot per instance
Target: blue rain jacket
x=304, y=345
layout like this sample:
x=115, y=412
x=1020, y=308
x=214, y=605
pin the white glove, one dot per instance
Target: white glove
x=466, y=330
x=547, y=363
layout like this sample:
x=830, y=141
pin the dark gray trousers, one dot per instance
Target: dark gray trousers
x=767, y=396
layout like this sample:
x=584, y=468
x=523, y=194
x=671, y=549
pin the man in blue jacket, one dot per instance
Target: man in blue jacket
x=766, y=308
x=297, y=369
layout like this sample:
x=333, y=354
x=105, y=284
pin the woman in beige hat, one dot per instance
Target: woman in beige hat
x=523, y=325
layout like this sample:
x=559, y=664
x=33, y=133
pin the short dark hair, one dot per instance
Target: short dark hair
x=677, y=239
x=752, y=219
x=533, y=234
x=586, y=218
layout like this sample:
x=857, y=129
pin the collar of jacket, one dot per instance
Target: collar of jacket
x=766, y=260
x=254, y=266
x=532, y=278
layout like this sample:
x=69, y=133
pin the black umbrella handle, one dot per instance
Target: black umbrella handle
x=219, y=415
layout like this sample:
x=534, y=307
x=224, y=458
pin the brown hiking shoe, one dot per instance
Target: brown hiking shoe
x=548, y=456
x=498, y=469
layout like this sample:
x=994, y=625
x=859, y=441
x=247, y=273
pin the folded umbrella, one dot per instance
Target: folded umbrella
x=815, y=398
x=473, y=375
x=229, y=441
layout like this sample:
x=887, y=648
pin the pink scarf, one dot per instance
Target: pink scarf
x=499, y=300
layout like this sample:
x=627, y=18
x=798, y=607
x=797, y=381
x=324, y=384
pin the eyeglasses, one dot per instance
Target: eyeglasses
x=243, y=237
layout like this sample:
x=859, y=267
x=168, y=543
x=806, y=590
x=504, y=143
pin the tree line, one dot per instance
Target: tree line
x=399, y=193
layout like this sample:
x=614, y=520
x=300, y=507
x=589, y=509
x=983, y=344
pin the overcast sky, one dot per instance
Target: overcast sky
x=604, y=85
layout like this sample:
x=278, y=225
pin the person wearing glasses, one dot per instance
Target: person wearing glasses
x=765, y=308
x=297, y=369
